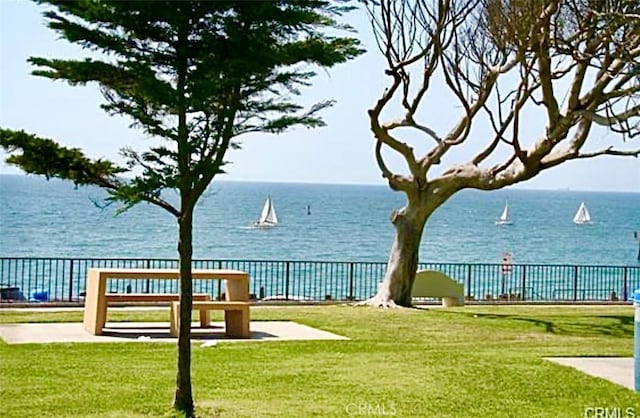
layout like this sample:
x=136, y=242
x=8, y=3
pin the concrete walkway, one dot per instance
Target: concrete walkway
x=41, y=333
x=618, y=370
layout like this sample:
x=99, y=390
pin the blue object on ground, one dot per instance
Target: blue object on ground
x=40, y=296
x=636, y=343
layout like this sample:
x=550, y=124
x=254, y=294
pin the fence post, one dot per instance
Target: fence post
x=70, y=280
x=625, y=290
x=220, y=282
x=148, y=280
x=286, y=282
x=524, y=282
x=468, y=281
x=351, y=281
x=575, y=283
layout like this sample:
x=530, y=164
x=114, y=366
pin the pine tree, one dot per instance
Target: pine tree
x=195, y=74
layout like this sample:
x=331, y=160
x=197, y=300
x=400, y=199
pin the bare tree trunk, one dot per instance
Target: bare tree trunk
x=183, y=400
x=395, y=289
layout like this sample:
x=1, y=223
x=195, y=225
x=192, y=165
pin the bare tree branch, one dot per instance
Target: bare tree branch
x=408, y=122
x=578, y=60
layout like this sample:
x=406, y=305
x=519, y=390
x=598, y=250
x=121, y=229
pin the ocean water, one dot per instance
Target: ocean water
x=40, y=218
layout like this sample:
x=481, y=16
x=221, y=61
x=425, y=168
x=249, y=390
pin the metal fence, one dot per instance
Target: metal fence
x=63, y=279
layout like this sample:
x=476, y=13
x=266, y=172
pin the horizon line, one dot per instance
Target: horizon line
x=348, y=183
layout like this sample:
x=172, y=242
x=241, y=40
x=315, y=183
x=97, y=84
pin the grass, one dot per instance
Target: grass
x=475, y=361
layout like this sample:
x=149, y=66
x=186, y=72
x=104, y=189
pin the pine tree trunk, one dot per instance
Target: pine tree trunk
x=183, y=400
x=395, y=289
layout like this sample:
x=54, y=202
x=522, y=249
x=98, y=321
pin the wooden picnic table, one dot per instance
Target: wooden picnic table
x=95, y=307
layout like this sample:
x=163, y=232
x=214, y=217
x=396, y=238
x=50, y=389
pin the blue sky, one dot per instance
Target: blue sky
x=341, y=152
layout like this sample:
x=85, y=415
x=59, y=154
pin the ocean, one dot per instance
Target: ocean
x=40, y=218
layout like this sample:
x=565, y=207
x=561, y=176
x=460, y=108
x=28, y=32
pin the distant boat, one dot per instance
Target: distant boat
x=504, y=218
x=582, y=215
x=268, y=217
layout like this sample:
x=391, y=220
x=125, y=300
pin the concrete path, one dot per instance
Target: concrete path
x=618, y=370
x=155, y=332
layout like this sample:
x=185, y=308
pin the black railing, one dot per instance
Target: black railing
x=63, y=279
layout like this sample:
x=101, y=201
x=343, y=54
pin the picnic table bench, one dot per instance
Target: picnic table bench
x=237, y=290
x=236, y=316
x=151, y=297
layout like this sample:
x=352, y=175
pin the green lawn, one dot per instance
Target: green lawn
x=462, y=362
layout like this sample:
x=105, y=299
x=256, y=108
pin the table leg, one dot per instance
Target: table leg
x=237, y=289
x=95, y=304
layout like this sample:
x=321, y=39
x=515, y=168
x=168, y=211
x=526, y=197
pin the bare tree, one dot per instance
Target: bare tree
x=575, y=64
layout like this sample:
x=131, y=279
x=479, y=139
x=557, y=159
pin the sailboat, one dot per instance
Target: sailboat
x=582, y=215
x=504, y=216
x=268, y=216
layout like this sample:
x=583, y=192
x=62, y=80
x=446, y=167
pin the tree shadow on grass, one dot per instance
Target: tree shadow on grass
x=615, y=326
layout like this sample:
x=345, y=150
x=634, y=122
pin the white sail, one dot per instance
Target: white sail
x=582, y=215
x=504, y=216
x=268, y=215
